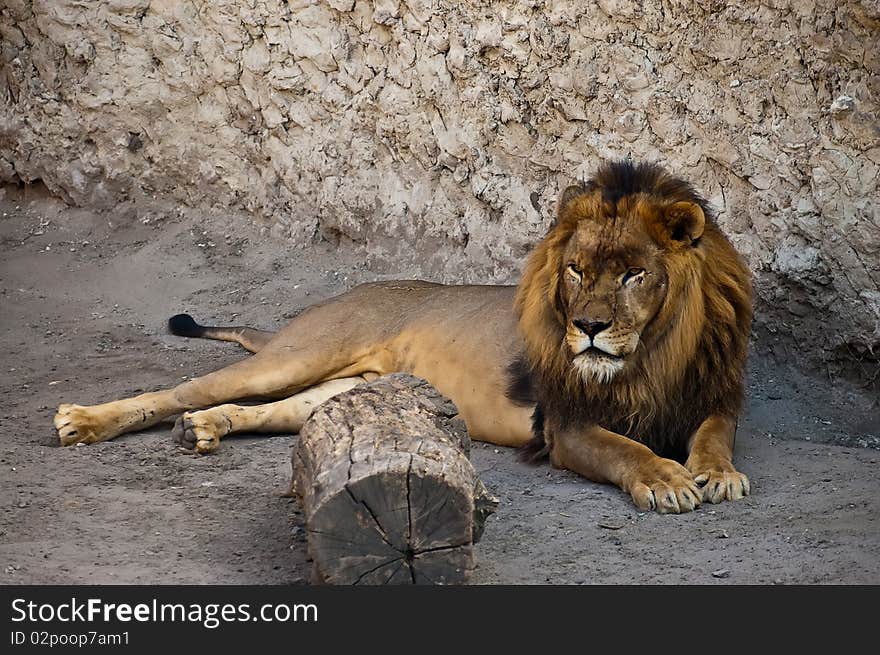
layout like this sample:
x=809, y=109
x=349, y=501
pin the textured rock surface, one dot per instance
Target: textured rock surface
x=442, y=131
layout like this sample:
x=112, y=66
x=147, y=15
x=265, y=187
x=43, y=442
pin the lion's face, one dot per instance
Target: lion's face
x=634, y=312
x=611, y=286
x=613, y=278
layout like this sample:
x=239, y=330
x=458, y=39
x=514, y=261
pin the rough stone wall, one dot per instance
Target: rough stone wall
x=441, y=131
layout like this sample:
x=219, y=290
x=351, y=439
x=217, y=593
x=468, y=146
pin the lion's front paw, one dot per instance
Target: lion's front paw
x=666, y=486
x=76, y=424
x=722, y=483
x=199, y=431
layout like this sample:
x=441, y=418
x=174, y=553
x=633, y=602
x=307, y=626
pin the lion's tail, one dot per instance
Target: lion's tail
x=183, y=325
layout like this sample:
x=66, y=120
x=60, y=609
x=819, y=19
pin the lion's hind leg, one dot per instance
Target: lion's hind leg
x=265, y=374
x=202, y=430
x=88, y=424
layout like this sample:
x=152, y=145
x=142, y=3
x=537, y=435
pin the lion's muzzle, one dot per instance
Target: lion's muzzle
x=599, y=348
x=599, y=338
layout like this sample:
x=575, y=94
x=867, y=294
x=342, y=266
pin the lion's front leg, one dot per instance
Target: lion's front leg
x=710, y=461
x=600, y=455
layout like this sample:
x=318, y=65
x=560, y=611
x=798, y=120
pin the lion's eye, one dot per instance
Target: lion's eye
x=633, y=275
x=575, y=272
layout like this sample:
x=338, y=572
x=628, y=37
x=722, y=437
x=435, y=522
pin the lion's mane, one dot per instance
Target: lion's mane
x=691, y=358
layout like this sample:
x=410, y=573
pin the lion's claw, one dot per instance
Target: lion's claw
x=723, y=485
x=666, y=487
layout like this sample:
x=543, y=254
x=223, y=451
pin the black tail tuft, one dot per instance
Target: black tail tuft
x=183, y=325
x=536, y=449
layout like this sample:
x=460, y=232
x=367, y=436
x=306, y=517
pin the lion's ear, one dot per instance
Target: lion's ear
x=570, y=193
x=684, y=221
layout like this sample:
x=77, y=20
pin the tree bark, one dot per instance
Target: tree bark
x=388, y=491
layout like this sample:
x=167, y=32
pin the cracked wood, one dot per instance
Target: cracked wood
x=388, y=492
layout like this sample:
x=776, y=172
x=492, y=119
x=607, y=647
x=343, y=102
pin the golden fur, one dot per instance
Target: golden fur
x=627, y=342
x=690, y=361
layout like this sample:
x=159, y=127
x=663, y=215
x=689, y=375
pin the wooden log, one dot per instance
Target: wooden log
x=388, y=492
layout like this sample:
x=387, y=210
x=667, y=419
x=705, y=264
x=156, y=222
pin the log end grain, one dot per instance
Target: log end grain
x=388, y=492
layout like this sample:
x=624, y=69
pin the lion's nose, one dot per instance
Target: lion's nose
x=591, y=328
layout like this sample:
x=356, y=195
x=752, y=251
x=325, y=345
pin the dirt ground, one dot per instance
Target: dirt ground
x=85, y=297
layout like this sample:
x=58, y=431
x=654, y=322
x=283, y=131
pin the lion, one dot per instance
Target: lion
x=619, y=355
